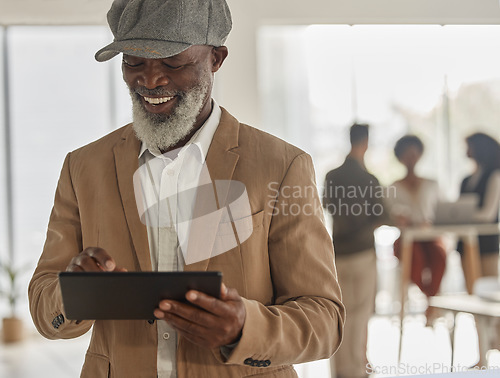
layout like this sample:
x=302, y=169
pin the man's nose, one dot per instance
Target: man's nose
x=153, y=75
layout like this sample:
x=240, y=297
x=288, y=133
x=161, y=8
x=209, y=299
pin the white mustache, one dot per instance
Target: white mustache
x=156, y=92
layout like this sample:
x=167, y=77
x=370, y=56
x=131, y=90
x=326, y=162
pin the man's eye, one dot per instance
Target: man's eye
x=129, y=64
x=172, y=67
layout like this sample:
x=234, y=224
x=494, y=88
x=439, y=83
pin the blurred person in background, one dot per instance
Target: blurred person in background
x=353, y=197
x=414, y=204
x=485, y=182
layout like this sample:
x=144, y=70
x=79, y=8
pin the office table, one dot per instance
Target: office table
x=486, y=313
x=468, y=233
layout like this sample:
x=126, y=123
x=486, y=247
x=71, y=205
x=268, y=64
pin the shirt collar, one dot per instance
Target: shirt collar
x=201, y=139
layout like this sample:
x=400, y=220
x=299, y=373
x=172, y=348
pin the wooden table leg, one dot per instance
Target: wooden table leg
x=472, y=262
x=405, y=264
x=483, y=337
x=452, y=330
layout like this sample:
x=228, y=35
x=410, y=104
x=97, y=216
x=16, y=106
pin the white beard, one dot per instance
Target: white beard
x=161, y=131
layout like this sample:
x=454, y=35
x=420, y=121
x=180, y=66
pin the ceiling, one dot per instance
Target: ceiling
x=93, y=12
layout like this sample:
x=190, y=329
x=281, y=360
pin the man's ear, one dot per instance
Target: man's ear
x=219, y=55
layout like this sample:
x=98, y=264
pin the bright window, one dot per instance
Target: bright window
x=60, y=98
x=441, y=83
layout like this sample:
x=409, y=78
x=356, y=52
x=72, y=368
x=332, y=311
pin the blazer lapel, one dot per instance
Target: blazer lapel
x=221, y=163
x=126, y=159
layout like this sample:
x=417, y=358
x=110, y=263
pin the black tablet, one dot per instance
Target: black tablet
x=129, y=295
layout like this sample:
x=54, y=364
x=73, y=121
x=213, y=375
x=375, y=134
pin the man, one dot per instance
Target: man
x=280, y=301
x=353, y=197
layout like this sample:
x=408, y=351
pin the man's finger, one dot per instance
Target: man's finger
x=207, y=302
x=102, y=257
x=74, y=268
x=232, y=295
x=223, y=291
x=86, y=263
x=186, y=311
x=184, y=325
x=159, y=314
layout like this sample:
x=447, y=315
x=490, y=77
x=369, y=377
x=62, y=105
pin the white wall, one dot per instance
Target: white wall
x=237, y=87
x=53, y=12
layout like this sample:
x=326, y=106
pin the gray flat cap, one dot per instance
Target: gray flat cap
x=163, y=28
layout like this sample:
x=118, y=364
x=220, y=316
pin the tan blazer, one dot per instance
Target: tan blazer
x=285, y=271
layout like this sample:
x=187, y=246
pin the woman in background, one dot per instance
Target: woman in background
x=485, y=182
x=414, y=205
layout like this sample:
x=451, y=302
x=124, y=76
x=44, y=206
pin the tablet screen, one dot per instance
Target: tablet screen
x=129, y=295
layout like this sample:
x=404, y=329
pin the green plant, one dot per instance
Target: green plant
x=10, y=291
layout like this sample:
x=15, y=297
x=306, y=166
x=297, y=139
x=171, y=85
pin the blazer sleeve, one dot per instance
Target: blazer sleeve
x=305, y=321
x=63, y=242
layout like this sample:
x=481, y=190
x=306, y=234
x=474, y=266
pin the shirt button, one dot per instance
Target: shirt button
x=166, y=336
x=170, y=172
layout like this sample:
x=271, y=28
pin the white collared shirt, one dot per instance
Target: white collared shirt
x=169, y=183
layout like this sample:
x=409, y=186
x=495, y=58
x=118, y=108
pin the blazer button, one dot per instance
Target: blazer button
x=151, y=321
x=248, y=361
x=57, y=321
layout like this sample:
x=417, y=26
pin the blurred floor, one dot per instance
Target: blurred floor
x=42, y=358
x=425, y=350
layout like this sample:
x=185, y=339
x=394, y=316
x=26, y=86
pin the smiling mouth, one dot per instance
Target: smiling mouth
x=157, y=100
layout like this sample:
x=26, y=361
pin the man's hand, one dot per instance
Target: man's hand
x=93, y=259
x=214, y=323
